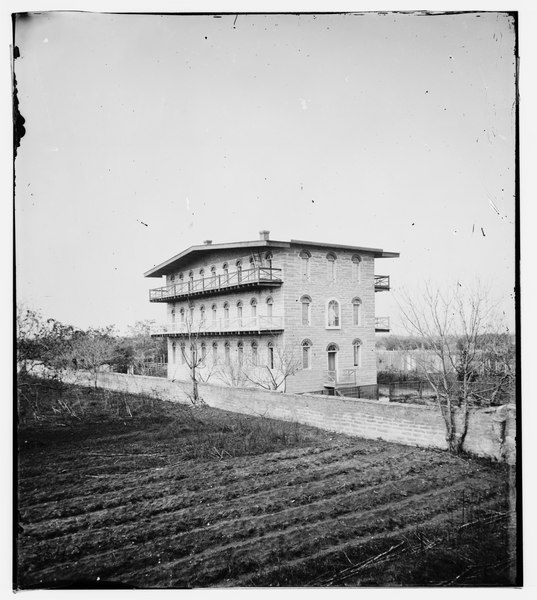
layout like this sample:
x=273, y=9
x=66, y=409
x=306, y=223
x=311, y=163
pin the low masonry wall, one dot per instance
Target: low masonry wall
x=491, y=431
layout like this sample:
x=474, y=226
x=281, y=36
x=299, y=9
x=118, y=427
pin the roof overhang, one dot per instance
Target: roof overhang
x=377, y=252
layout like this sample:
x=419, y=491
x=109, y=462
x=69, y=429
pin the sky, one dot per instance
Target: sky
x=148, y=134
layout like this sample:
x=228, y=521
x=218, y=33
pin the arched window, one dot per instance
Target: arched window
x=332, y=350
x=182, y=316
x=356, y=268
x=331, y=264
x=226, y=314
x=357, y=352
x=227, y=354
x=270, y=304
x=239, y=270
x=268, y=258
x=202, y=315
x=215, y=353
x=240, y=352
x=239, y=312
x=252, y=262
x=191, y=317
x=253, y=307
x=305, y=264
x=356, y=311
x=306, y=310
x=173, y=314
x=202, y=272
x=213, y=276
x=270, y=355
x=191, y=276
x=203, y=351
x=183, y=353
x=193, y=355
x=254, y=353
x=172, y=277
x=332, y=314
x=214, y=313
x=225, y=269
x=174, y=349
x=306, y=354
x=181, y=277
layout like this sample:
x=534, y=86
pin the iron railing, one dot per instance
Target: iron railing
x=382, y=283
x=340, y=377
x=215, y=283
x=223, y=325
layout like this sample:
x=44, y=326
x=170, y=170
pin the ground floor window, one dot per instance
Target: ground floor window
x=357, y=353
x=306, y=354
x=270, y=357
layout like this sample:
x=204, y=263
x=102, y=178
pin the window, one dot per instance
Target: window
x=213, y=276
x=356, y=268
x=226, y=314
x=240, y=351
x=181, y=277
x=332, y=350
x=215, y=353
x=183, y=354
x=202, y=272
x=268, y=258
x=270, y=356
x=306, y=312
x=253, y=307
x=239, y=312
x=174, y=349
x=182, y=316
x=193, y=355
x=203, y=351
x=239, y=271
x=306, y=354
x=305, y=262
x=214, y=313
x=356, y=311
x=202, y=315
x=254, y=354
x=270, y=303
x=227, y=355
x=332, y=314
x=172, y=277
x=357, y=353
x=173, y=314
x=191, y=276
x=225, y=268
x=191, y=314
x=331, y=264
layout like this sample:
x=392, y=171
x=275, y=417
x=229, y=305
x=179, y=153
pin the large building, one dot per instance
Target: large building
x=294, y=315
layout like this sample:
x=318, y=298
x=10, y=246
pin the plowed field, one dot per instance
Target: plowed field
x=201, y=497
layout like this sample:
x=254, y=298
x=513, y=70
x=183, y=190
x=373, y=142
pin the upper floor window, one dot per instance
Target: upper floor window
x=226, y=314
x=181, y=277
x=239, y=312
x=270, y=303
x=203, y=351
x=357, y=352
x=213, y=273
x=202, y=272
x=305, y=257
x=191, y=275
x=356, y=311
x=333, y=314
x=191, y=309
x=182, y=316
x=239, y=270
x=254, y=353
x=215, y=353
x=174, y=349
x=183, y=353
x=214, y=313
x=253, y=307
x=306, y=310
x=225, y=269
x=173, y=313
x=202, y=315
x=268, y=258
x=227, y=353
x=240, y=352
x=306, y=354
x=270, y=355
x=356, y=268
x=331, y=266
x=172, y=277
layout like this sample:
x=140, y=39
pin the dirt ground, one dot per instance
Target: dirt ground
x=176, y=496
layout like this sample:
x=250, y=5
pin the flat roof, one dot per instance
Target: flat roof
x=173, y=263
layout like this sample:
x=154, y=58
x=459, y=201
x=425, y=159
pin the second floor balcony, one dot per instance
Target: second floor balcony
x=238, y=326
x=256, y=277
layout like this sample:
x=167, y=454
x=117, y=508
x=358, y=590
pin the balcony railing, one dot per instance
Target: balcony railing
x=340, y=377
x=382, y=324
x=382, y=283
x=266, y=276
x=258, y=324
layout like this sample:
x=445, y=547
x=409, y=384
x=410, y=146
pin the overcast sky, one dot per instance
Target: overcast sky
x=148, y=134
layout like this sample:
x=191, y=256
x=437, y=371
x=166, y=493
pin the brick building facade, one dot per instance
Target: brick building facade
x=250, y=313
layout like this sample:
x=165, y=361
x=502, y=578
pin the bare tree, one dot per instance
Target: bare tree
x=95, y=348
x=193, y=357
x=455, y=326
x=284, y=361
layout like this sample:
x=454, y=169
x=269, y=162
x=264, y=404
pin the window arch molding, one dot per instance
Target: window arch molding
x=331, y=260
x=356, y=262
x=356, y=311
x=305, y=305
x=306, y=346
x=333, y=314
x=305, y=256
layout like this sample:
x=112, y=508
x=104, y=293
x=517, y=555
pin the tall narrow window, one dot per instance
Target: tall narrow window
x=306, y=310
x=356, y=268
x=193, y=355
x=227, y=353
x=174, y=350
x=270, y=303
x=215, y=353
x=239, y=271
x=182, y=316
x=268, y=258
x=173, y=314
x=202, y=272
x=239, y=313
x=306, y=354
x=357, y=353
x=213, y=276
x=332, y=351
x=331, y=265
x=356, y=311
x=172, y=277
x=240, y=352
x=191, y=317
x=191, y=276
x=305, y=257
x=225, y=269
x=203, y=351
x=214, y=313
x=253, y=307
x=270, y=356
x=226, y=315
x=332, y=314
x=202, y=315
x=254, y=354
x=183, y=354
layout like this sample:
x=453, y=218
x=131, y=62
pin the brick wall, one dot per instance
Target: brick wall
x=491, y=432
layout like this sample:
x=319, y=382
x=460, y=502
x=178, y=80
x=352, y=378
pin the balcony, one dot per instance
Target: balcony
x=244, y=326
x=339, y=377
x=382, y=324
x=256, y=277
x=382, y=283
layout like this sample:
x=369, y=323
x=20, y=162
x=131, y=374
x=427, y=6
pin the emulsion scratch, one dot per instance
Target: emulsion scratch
x=483, y=232
x=142, y=223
